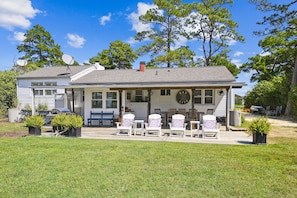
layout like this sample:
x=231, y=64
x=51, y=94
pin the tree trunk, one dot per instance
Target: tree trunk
x=293, y=83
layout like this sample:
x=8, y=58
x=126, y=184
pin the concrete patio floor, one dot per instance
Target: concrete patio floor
x=109, y=133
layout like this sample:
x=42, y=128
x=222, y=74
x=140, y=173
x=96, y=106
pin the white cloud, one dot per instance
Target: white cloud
x=180, y=42
x=105, y=19
x=142, y=8
x=75, y=40
x=232, y=42
x=138, y=26
x=19, y=36
x=238, y=53
x=237, y=62
x=265, y=53
x=16, y=13
x=131, y=41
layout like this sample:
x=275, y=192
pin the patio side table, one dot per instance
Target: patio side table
x=194, y=127
x=138, y=126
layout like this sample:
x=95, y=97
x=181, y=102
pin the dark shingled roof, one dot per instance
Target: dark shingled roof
x=215, y=76
x=54, y=71
x=159, y=76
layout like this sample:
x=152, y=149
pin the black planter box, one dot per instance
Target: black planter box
x=74, y=132
x=34, y=130
x=259, y=138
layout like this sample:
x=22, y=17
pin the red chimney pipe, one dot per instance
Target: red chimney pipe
x=142, y=66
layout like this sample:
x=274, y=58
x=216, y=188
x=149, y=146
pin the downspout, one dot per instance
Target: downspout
x=227, y=108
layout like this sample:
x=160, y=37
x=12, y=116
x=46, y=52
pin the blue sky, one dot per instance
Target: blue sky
x=85, y=27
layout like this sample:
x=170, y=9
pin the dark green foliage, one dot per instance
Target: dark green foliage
x=293, y=100
x=206, y=21
x=268, y=93
x=223, y=60
x=280, y=59
x=119, y=56
x=8, y=97
x=40, y=49
x=166, y=29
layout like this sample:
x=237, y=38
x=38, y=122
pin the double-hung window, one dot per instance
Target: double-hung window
x=208, y=96
x=50, y=92
x=138, y=96
x=96, y=99
x=111, y=100
x=165, y=92
x=197, y=96
x=203, y=96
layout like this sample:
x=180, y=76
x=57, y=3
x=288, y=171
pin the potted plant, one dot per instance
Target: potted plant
x=259, y=128
x=74, y=124
x=59, y=124
x=34, y=123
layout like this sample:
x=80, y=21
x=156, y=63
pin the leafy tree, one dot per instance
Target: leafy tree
x=165, y=31
x=223, y=60
x=119, y=56
x=7, y=90
x=268, y=93
x=278, y=61
x=210, y=23
x=181, y=57
x=40, y=49
x=282, y=21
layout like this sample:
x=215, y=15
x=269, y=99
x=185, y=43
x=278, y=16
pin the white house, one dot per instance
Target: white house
x=83, y=89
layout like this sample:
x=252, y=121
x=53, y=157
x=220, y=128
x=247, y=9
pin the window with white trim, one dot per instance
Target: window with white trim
x=138, y=96
x=38, y=92
x=203, y=96
x=96, y=99
x=165, y=92
x=50, y=92
x=208, y=97
x=50, y=83
x=111, y=100
x=197, y=96
x=36, y=84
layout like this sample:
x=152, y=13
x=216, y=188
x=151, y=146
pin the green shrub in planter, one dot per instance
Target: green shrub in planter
x=69, y=125
x=74, y=121
x=59, y=122
x=34, y=123
x=74, y=124
x=259, y=128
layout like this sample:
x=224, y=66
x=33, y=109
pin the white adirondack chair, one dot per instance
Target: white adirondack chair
x=154, y=125
x=178, y=125
x=210, y=127
x=126, y=125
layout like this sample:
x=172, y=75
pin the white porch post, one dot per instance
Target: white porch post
x=33, y=101
x=72, y=93
x=120, y=105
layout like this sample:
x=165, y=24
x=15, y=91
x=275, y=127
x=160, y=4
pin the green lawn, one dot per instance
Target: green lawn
x=12, y=127
x=74, y=167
